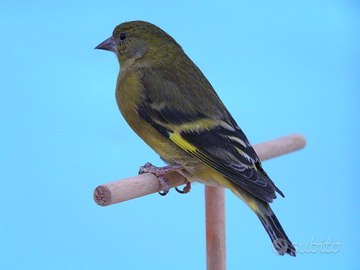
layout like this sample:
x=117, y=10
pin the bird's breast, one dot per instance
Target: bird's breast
x=129, y=95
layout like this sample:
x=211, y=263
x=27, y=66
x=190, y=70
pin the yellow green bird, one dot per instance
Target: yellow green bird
x=170, y=104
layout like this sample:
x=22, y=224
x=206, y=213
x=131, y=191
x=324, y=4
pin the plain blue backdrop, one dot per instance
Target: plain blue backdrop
x=279, y=66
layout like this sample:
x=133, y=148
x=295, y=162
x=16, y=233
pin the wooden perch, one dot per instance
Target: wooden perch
x=145, y=184
x=215, y=228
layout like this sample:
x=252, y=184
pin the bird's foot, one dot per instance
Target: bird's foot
x=186, y=189
x=160, y=172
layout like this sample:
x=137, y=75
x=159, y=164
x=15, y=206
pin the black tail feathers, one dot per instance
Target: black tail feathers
x=281, y=242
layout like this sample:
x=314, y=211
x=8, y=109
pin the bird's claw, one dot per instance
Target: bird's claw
x=162, y=193
x=165, y=185
x=160, y=172
x=186, y=189
x=148, y=168
x=180, y=191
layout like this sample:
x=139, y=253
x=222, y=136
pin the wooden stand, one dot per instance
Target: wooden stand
x=215, y=228
x=145, y=184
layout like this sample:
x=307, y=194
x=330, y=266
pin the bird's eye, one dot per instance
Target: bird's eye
x=122, y=36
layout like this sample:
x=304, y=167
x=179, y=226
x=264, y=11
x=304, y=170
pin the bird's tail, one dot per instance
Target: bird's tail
x=281, y=242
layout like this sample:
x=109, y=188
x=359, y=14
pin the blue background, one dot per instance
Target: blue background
x=279, y=66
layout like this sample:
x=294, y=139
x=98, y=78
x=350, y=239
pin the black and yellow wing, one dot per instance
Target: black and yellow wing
x=205, y=130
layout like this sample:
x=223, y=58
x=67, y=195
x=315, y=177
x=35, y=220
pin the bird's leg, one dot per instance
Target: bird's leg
x=160, y=172
x=186, y=189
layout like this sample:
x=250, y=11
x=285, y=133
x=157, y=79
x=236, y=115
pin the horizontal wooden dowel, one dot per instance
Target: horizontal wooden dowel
x=133, y=187
x=145, y=184
x=280, y=146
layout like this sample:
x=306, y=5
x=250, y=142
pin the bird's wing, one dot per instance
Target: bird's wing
x=214, y=139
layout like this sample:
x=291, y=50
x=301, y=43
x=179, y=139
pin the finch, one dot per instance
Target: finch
x=169, y=103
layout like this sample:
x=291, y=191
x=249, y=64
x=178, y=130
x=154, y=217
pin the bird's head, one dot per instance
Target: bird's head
x=136, y=40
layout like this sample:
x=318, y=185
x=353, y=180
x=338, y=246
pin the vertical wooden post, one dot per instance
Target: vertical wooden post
x=215, y=228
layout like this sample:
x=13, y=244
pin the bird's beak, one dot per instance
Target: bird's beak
x=108, y=45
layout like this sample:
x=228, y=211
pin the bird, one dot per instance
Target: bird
x=173, y=108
